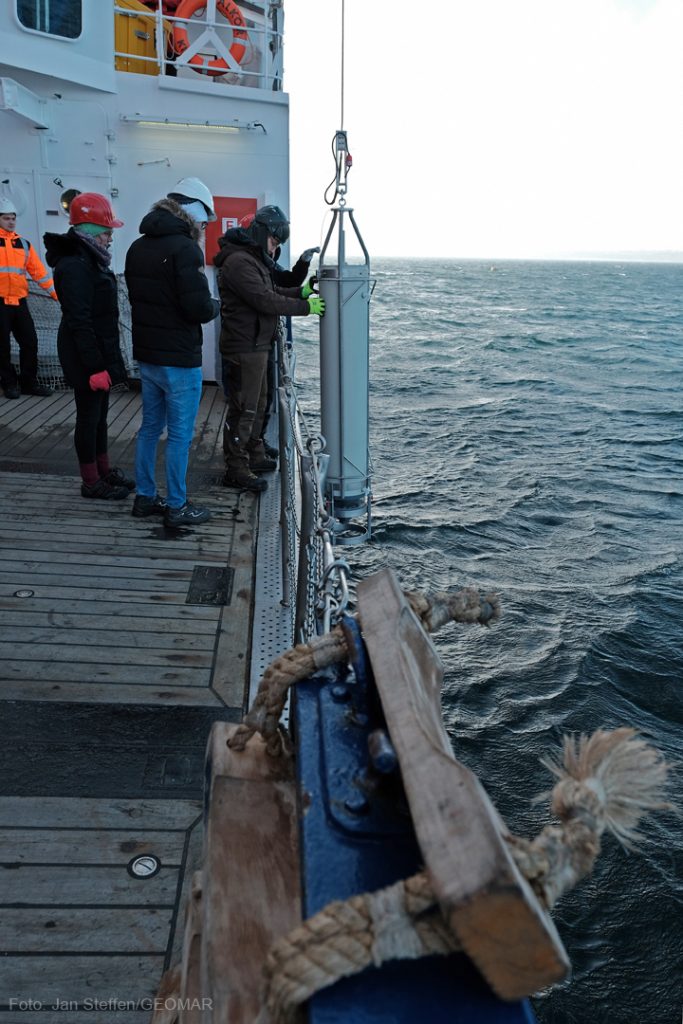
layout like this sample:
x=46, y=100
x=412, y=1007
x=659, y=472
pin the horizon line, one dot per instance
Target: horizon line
x=617, y=257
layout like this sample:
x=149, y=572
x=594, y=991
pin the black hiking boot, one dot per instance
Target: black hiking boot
x=188, y=515
x=144, y=506
x=117, y=479
x=106, y=492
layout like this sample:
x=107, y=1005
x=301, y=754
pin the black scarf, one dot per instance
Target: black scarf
x=103, y=256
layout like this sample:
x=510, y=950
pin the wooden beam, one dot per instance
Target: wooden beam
x=251, y=892
x=488, y=904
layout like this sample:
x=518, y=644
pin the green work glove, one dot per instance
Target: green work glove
x=308, y=289
x=316, y=305
x=308, y=254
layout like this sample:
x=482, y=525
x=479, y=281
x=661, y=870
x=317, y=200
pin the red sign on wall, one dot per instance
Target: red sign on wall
x=229, y=211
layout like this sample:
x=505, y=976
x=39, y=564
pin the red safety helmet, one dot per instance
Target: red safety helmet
x=92, y=208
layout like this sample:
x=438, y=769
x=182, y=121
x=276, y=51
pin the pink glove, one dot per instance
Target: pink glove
x=100, y=381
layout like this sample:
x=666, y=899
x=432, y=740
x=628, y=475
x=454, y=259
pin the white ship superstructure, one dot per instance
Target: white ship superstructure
x=96, y=96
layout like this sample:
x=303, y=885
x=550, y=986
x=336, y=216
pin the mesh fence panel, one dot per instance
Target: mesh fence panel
x=47, y=314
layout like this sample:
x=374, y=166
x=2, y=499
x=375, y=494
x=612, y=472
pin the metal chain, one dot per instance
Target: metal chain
x=327, y=587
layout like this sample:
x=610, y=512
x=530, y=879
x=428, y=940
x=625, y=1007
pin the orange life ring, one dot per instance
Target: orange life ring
x=206, y=65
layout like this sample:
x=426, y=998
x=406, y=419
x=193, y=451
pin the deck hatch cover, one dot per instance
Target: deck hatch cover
x=210, y=584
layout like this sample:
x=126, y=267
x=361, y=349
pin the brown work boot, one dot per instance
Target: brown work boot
x=244, y=479
x=259, y=461
x=261, y=464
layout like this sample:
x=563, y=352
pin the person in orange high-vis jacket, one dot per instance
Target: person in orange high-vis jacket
x=18, y=260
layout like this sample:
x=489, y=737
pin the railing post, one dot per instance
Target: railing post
x=306, y=542
x=285, y=441
x=159, y=39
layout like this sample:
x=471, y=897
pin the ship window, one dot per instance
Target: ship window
x=67, y=198
x=56, y=19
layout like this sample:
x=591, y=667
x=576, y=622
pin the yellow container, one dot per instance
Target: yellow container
x=135, y=36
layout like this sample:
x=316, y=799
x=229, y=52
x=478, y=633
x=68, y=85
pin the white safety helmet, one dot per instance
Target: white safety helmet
x=7, y=205
x=193, y=188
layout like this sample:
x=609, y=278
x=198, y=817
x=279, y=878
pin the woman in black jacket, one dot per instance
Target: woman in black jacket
x=88, y=338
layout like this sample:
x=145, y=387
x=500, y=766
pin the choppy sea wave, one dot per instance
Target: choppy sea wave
x=527, y=437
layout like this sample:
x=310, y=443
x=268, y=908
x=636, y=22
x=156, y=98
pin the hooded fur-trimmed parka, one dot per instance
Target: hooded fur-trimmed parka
x=168, y=289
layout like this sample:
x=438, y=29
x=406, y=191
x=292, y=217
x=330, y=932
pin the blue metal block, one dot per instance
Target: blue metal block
x=356, y=836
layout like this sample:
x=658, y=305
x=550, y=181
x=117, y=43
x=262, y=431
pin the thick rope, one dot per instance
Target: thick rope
x=399, y=922
x=298, y=663
x=435, y=610
x=302, y=661
x=606, y=781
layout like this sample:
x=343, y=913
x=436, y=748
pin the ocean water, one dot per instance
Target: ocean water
x=526, y=434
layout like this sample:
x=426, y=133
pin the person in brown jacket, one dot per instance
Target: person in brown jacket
x=251, y=304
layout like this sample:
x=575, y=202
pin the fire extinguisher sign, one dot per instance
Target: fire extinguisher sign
x=229, y=213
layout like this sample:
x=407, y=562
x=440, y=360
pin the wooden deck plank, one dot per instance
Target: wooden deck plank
x=107, y=559
x=42, y=428
x=58, y=930
x=90, y=845
x=94, y=593
x=164, y=587
x=103, y=543
x=76, y=511
x=165, y=678
x=86, y=813
x=31, y=416
x=121, y=639
x=106, y=535
x=209, y=445
x=69, y=501
x=112, y=619
x=232, y=648
x=114, y=566
x=38, y=506
x=104, y=567
x=122, y=409
x=115, y=542
x=89, y=654
x=86, y=692
x=52, y=439
x=83, y=979
x=41, y=885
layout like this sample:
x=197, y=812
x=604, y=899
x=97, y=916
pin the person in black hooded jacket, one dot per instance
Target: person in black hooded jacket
x=251, y=305
x=170, y=300
x=88, y=336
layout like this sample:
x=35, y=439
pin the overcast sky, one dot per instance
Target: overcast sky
x=492, y=128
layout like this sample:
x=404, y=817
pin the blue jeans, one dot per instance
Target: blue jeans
x=170, y=399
